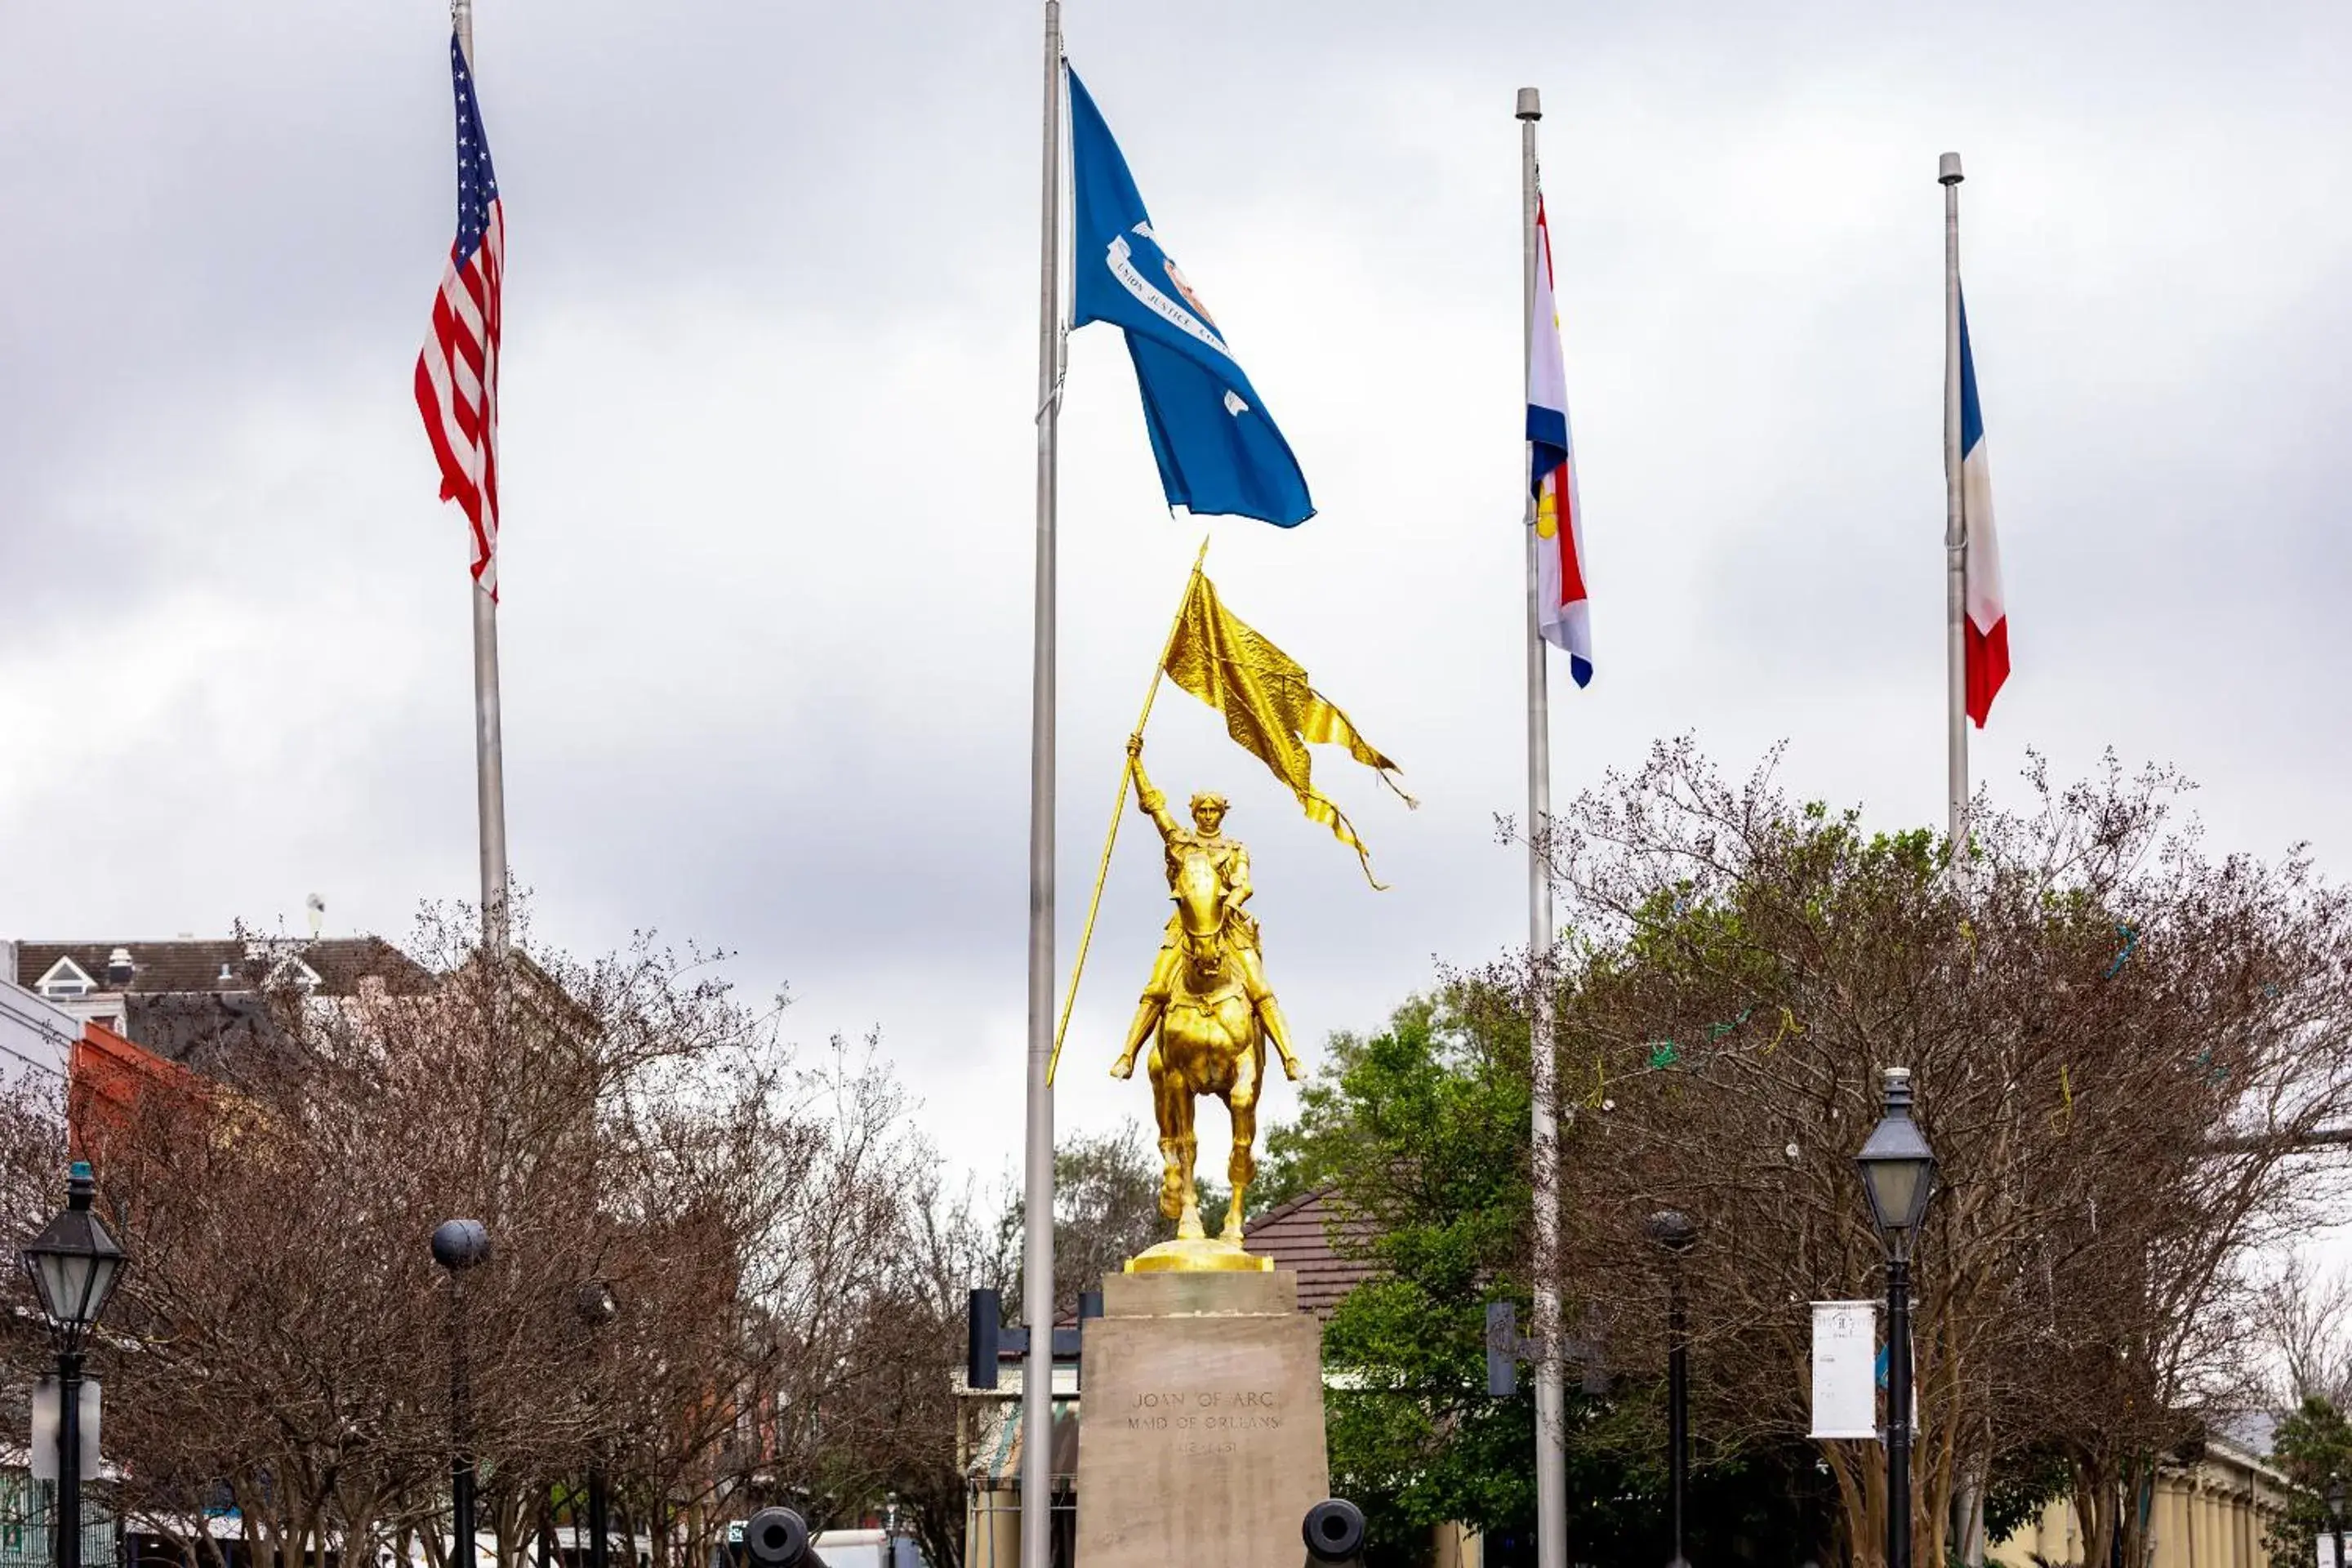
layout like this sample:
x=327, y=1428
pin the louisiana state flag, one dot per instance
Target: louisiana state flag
x=1218, y=449
x=1560, y=610
x=1987, y=635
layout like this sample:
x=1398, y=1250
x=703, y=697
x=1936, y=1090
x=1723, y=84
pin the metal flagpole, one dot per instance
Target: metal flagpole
x=1551, y=1400
x=1970, y=1497
x=1955, y=525
x=490, y=750
x=1037, y=1206
x=489, y=765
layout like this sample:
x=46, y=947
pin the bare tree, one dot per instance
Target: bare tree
x=2123, y=1050
x=2307, y=1320
x=1105, y=1210
x=286, y=1341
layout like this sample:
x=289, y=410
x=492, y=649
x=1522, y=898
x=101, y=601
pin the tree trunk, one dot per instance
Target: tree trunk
x=2095, y=1507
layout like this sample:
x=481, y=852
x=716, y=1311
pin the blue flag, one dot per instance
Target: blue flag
x=1218, y=451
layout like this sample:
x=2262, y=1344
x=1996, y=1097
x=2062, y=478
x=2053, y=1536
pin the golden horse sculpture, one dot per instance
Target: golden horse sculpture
x=1209, y=1005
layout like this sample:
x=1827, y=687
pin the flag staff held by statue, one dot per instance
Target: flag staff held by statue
x=1551, y=1460
x=1117, y=816
x=1037, y=1196
x=1955, y=526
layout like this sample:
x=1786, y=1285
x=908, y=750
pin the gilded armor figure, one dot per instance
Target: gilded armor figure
x=1207, y=1001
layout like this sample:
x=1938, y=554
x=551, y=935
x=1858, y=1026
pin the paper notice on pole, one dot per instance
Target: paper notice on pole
x=2327, y=1557
x=1845, y=1356
x=42, y=1453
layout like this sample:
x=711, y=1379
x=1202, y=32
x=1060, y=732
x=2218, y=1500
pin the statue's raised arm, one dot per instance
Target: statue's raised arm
x=1154, y=803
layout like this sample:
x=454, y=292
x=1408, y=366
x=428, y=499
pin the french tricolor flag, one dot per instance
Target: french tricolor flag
x=1561, y=615
x=1987, y=621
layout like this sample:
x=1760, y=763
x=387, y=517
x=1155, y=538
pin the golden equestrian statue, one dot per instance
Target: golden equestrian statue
x=1209, y=1005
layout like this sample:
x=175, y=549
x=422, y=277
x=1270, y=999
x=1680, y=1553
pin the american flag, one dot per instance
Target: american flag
x=458, y=373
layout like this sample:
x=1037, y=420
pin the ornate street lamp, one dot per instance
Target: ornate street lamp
x=73, y=1265
x=458, y=1244
x=1673, y=1231
x=2336, y=1500
x=1898, y=1176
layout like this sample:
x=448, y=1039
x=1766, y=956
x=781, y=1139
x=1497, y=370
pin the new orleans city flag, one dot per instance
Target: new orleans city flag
x=1271, y=708
x=1560, y=610
x=1218, y=450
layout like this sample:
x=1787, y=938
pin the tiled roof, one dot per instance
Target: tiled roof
x=1300, y=1236
x=182, y=967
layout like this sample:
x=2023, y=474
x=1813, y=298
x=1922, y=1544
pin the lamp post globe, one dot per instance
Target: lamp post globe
x=460, y=1244
x=1672, y=1229
x=2336, y=1501
x=595, y=1304
x=74, y=1265
x=1898, y=1176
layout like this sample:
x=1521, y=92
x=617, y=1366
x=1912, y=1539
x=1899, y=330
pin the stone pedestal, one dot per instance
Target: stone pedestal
x=1200, y=1424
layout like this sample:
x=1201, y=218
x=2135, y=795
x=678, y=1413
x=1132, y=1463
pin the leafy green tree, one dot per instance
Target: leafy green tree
x=1282, y=1169
x=1423, y=1131
x=2313, y=1446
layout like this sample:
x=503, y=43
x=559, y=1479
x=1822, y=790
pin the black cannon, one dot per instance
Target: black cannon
x=779, y=1538
x=1334, y=1531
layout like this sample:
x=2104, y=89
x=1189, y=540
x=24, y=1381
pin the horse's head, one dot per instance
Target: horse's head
x=1200, y=895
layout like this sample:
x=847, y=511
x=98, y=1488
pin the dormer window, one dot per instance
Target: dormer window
x=119, y=969
x=292, y=970
x=65, y=981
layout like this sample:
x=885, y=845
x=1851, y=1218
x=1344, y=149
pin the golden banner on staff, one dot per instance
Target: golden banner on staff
x=1269, y=707
x=1271, y=710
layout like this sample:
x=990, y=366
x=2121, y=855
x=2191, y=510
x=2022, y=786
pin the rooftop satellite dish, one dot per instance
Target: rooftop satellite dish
x=318, y=907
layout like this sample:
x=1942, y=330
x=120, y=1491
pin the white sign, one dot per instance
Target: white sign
x=2328, y=1558
x=1845, y=1361
x=43, y=1456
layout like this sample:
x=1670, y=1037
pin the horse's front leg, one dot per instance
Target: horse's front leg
x=1179, y=1199
x=1249, y=1077
x=1167, y=1109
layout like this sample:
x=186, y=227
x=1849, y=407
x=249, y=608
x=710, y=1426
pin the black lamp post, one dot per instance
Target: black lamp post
x=596, y=1305
x=1675, y=1232
x=1898, y=1174
x=2336, y=1500
x=457, y=1246
x=73, y=1265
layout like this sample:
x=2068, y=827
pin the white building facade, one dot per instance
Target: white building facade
x=36, y=1038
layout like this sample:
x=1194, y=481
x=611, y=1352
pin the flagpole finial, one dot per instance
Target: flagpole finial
x=1947, y=170
x=1530, y=104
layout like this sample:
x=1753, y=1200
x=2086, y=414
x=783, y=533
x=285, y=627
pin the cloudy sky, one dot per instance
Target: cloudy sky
x=767, y=450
